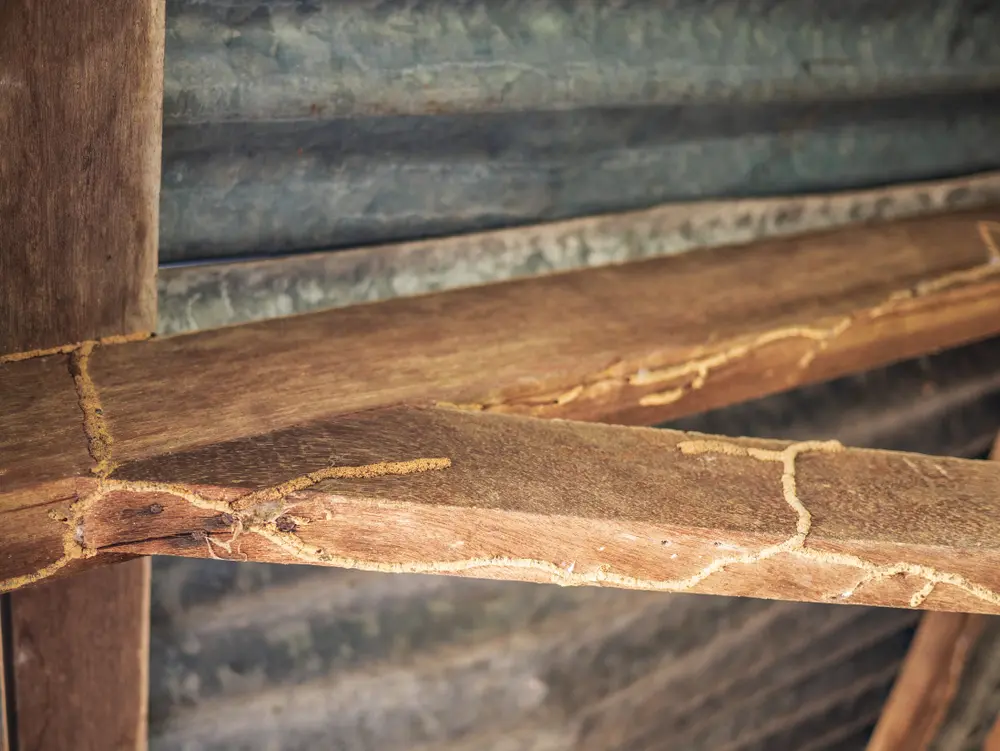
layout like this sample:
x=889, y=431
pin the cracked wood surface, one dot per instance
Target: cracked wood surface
x=447, y=491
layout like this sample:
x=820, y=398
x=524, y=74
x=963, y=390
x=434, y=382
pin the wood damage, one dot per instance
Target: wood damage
x=236, y=404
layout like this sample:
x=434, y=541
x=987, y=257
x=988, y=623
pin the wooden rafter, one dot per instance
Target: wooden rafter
x=446, y=491
x=80, y=123
x=632, y=344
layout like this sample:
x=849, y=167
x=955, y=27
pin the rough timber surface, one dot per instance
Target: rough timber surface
x=945, y=697
x=634, y=344
x=81, y=659
x=412, y=490
x=81, y=96
x=81, y=103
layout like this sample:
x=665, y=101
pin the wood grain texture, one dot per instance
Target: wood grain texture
x=430, y=490
x=80, y=114
x=364, y=661
x=81, y=89
x=634, y=344
x=80, y=684
x=920, y=713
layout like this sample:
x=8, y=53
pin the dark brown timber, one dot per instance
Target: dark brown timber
x=80, y=110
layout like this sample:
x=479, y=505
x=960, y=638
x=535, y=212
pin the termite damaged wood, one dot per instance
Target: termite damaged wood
x=633, y=344
x=445, y=491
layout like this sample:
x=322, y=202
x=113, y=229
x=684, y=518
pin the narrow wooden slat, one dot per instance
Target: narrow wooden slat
x=446, y=491
x=80, y=112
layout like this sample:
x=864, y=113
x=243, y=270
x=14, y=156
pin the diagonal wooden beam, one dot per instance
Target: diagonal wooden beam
x=446, y=491
x=634, y=344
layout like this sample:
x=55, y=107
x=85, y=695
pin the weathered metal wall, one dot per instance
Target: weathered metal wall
x=308, y=124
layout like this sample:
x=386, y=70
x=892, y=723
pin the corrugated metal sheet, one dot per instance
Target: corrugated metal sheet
x=294, y=125
x=216, y=294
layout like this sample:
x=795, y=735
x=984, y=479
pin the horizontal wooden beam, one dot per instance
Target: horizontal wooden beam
x=437, y=490
x=634, y=344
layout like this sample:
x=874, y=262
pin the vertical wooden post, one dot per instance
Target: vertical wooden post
x=81, y=646
x=81, y=97
x=5, y=665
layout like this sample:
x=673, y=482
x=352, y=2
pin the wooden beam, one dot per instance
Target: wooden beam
x=633, y=344
x=81, y=105
x=918, y=712
x=928, y=682
x=447, y=491
x=80, y=112
x=81, y=657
